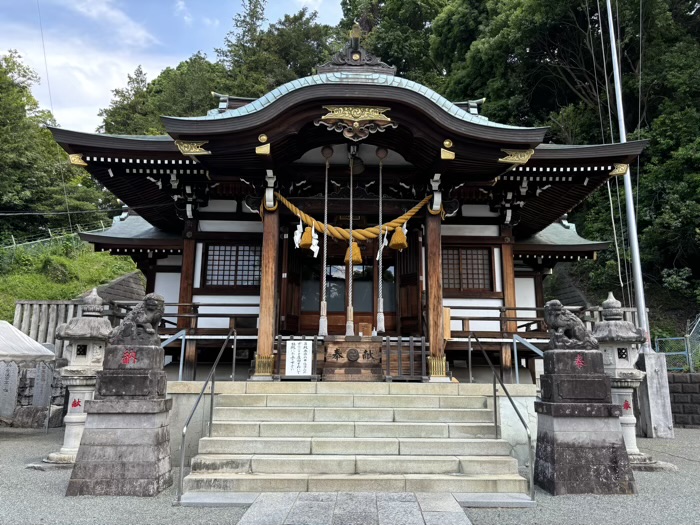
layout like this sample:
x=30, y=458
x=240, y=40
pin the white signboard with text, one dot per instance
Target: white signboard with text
x=300, y=355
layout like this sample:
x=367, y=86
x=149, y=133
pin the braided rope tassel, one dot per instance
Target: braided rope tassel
x=323, y=319
x=350, y=321
x=381, y=153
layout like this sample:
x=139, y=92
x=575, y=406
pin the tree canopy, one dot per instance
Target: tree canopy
x=537, y=62
x=35, y=178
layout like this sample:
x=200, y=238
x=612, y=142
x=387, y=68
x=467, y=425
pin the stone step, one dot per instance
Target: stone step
x=354, y=446
x=233, y=482
x=444, y=415
x=350, y=429
x=297, y=414
x=349, y=400
x=360, y=388
x=353, y=464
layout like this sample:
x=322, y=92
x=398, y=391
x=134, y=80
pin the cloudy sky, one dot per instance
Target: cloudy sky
x=91, y=45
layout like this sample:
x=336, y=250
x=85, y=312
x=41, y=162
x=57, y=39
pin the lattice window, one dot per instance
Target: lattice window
x=467, y=269
x=233, y=265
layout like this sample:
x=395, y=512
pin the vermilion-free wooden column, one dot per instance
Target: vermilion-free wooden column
x=436, y=327
x=189, y=323
x=266, y=326
x=510, y=327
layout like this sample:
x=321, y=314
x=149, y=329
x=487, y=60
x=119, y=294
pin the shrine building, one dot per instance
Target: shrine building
x=264, y=216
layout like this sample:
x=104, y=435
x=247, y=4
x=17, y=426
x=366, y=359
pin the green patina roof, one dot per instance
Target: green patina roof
x=559, y=234
x=344, y=77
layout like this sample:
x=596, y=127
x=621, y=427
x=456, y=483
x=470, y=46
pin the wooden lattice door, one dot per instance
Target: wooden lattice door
x=410, y=286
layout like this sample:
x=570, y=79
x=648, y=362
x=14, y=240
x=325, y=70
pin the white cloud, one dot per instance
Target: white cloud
x=82, y=73
x=129, y=32
x=183, y=12
x=313, y=5
x=211, y=22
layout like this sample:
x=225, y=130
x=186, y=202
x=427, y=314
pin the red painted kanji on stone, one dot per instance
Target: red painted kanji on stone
x=626, y=405
x=129, y=357
x=75, y=403
x=579, y=362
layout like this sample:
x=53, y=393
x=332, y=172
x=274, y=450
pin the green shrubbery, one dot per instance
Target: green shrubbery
x=55, y=271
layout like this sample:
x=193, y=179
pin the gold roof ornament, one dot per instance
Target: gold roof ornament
x=517, y=156
x=76, y=159
x=356, y=122
x=619, y=169
x=191, y=147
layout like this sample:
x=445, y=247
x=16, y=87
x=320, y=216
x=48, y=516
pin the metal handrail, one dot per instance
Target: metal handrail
x=182, y=334
x=531, y=454
x=211, y=377
x=517, y=339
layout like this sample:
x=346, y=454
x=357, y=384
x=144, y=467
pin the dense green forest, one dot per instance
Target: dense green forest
x=536, y=62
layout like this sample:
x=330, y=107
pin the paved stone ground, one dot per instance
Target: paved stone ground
x=37, y=497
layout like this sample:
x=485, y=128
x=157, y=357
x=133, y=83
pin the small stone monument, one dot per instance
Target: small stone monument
x=87, y=337
x=580, y=447
x=125, y=449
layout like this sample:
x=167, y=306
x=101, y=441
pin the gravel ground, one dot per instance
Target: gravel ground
x=669, y=498
x=37, y=497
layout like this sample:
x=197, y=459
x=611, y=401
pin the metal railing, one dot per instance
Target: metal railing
x=210, y=378
x=182, y=334
x=517, y=339
x=496, y=377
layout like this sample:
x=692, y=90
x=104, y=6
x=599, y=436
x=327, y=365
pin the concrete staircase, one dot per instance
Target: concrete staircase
x=352, y=437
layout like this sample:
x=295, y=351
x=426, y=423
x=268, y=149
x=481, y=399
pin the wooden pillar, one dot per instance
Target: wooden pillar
x=509, y=327
x=189, y=253
x=436, y=327
x=268, y=293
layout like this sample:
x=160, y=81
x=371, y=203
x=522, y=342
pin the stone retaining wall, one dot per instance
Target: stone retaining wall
x=685, y=399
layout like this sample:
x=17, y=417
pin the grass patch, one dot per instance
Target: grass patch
x=57, y=271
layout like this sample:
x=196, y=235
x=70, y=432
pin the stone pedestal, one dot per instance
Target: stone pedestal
x=353, y=358
x=580, y=447
x=125, y=448
x=81, y=390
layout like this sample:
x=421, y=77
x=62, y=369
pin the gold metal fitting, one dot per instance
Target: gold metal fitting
x=262, y=138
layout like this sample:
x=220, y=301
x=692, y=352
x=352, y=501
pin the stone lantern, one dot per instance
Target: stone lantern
x=619, y=341
x=87, y=337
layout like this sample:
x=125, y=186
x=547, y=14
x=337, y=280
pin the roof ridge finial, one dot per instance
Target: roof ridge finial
x=355, y=35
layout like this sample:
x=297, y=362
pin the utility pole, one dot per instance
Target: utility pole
x=629, y=202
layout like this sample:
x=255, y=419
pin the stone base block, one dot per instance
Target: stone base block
x=588, y=459
x=125, y=449
x=131, y=383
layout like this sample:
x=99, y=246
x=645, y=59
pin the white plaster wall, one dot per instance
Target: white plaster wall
x=199, y=250
x=231, y=226
x=168, y=285
x=471, y=307
x=215, y=322
x=470, y=230
x=498, y=270
x=525, y=297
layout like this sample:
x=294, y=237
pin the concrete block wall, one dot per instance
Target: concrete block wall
x=685, y=399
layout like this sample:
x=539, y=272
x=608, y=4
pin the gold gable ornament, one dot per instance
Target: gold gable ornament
x=356, y=254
